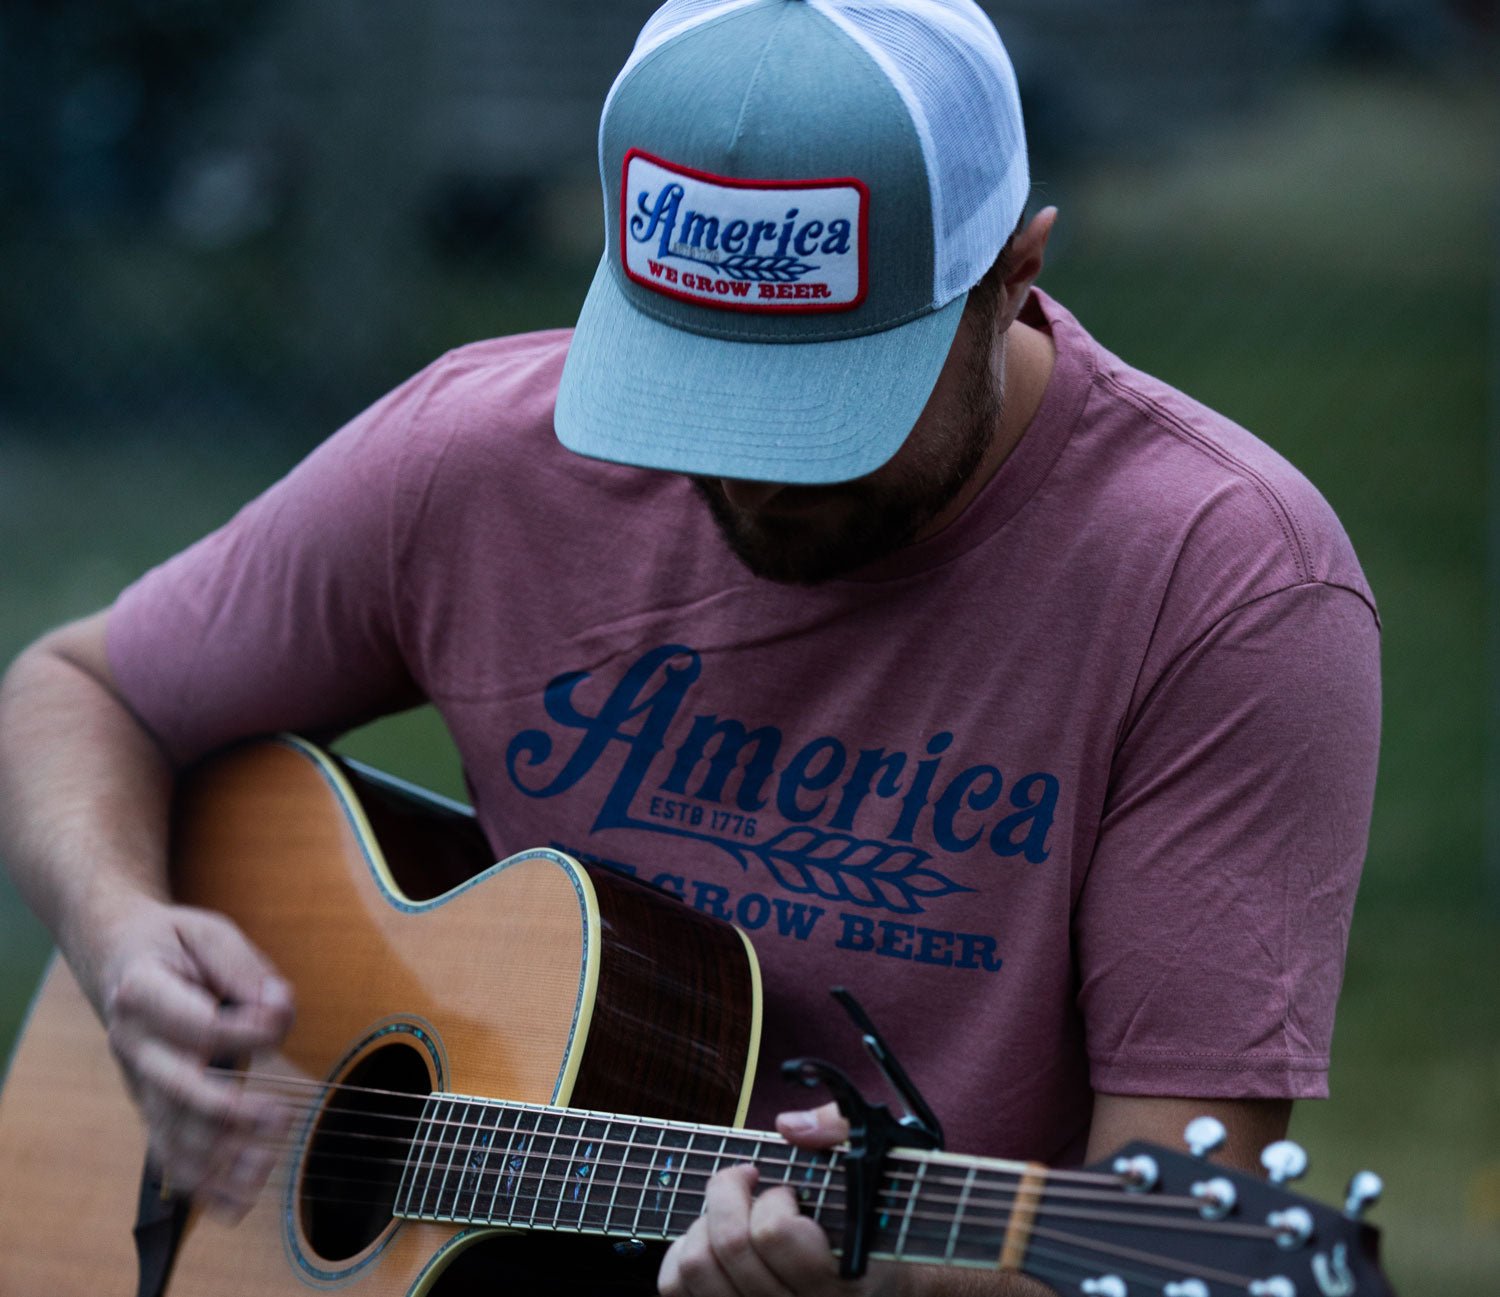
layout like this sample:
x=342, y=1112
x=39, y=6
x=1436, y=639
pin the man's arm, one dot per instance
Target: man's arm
x=749, y=1245
x=84, y=809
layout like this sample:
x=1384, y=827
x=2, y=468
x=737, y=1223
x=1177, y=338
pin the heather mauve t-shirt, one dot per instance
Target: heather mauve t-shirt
x=1073, y=795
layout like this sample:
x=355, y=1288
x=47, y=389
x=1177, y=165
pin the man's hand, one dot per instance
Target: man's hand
x=182, y=989
x=749, y=1244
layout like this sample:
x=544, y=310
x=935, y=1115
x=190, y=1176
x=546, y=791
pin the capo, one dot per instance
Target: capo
x=873, y=1130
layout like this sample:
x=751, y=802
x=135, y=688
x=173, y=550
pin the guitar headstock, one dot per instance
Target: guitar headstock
x=1174, y=1224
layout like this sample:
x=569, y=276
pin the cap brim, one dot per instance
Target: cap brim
x=637, y=391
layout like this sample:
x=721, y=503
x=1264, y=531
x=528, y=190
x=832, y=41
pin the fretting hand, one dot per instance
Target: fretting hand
x=758, y=1244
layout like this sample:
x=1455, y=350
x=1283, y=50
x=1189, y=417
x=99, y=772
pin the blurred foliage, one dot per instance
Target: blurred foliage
x=1320, y=265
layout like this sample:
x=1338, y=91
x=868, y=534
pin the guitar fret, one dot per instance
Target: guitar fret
x=911, y=1201
x=669, y=1178
x=471, y=1182
x=637, y=1228
x=495, y=1114
x=416, y=1157
x=512, y=1128
x=575, y=1179
x=432, y=1148
x=461, y=1152
x=547, y=1125
x=555, y=1179
x=587, y=1186
x=519, y=1156
x=820, y=1207
x=802, y=1191
x=699, y=1165
x=958, y=1214
x=453, y=1137
x=621, y=1167
x=1000, y=1198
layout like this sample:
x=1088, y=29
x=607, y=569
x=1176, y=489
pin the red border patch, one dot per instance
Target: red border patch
x=788, y=306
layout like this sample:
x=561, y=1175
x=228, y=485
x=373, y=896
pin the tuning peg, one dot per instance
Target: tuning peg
x=1364, y=1192
x=1187, y=1288
x=1293, y=1227
x=1204, y=1134
x=1284, y=1161
x=1276, y=1286
x=1140, y=1173
x=1217, y=1197
x=1106, y=1285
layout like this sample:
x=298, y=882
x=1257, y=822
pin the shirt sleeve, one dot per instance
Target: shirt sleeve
x=285, y=618
x=1212, y=922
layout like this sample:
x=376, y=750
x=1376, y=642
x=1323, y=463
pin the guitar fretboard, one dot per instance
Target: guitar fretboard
x=484, y=1162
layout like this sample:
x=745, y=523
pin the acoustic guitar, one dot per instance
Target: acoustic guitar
x=520, y=1076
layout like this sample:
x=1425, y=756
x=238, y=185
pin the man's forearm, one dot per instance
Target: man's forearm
x=84, y=794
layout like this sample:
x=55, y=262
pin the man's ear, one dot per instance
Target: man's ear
x=1028, y=251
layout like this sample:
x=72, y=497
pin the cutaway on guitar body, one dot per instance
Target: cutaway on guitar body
x=537, y=981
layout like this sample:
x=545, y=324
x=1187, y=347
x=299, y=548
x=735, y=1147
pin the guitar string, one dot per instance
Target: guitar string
x=894, y=1177
x=1042, y=1262
x=548, y=1113
x=891, y=1184
x=896, y=1206
x=1099, y=1178
x=1064, y=1266
x=893, y=1203
x=940, y=1239
x=1134, y=1254
x=437, y=1148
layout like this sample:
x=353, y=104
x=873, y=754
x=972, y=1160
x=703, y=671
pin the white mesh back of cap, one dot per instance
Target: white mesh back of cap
x=950, y=68
x=946, y=60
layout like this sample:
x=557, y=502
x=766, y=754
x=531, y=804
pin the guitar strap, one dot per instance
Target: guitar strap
x=161, y=1216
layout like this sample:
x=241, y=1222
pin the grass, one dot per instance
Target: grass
x=1321, y=273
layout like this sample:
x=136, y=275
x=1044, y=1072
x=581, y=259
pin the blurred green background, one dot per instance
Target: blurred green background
x=216, y=244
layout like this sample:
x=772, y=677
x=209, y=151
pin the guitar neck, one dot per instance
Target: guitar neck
x=488, y=1162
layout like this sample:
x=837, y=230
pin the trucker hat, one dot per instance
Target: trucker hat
x=798, y=196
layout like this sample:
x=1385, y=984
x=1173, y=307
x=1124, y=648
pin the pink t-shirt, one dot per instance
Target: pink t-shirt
x=1073, y=795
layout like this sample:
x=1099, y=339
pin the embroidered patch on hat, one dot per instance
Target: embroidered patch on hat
x=744, y=245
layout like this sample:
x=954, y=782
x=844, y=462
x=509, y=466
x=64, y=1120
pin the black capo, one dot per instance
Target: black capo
x=873, y=1131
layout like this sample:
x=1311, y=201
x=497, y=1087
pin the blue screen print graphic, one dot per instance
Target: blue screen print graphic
x=726, y=782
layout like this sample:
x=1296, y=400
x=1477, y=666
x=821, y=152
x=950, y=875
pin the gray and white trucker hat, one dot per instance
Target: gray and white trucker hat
x=798, y=196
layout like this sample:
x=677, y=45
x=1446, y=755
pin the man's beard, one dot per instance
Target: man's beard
x=822, y=532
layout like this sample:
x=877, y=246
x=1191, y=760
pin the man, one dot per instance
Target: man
x=867, y=602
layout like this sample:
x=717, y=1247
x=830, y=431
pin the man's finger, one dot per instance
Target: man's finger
x=813, y=1127
x=794, y=1246
x=177, y=1081
x=153, y=999
x=728, y=1206
x=229, y=965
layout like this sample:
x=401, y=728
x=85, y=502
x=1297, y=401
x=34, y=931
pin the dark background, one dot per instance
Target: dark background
x=226, y=227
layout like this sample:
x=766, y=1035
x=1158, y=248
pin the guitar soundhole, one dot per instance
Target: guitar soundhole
x=359, y=1148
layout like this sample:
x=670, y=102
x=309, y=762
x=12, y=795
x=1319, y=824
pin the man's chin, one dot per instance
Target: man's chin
x=793, y=549
x=790, y=559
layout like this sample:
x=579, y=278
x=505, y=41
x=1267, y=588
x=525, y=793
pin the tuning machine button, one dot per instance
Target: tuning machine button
x=1293, y=1226
x=1276, y=1286
x=1140, y=1173
x=1216, y=1198
x=1187, y=1288
x=1284, y=1160
x=1204, y=1134
x=1364, y=1192
x=1106, y=1285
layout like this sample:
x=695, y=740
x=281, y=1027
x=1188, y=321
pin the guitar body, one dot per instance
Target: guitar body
x=537, y=980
